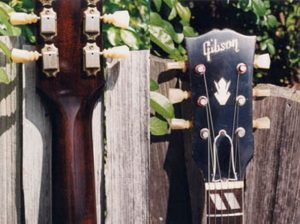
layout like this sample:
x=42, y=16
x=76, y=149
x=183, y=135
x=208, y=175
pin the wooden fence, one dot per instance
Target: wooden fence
x=139, y=182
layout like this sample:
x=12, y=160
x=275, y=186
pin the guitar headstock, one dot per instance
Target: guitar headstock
x=69, y=46
x=220, y=67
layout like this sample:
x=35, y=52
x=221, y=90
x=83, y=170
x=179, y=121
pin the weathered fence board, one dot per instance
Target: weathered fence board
x=168, y=190
x=10, y=140
x=128, y=140
x=273, y=175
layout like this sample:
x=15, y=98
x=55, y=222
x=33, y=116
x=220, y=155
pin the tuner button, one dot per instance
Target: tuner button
x=116, y=52
x=200, y=69
x=179, y=65
x=202, y=101
x=241, y=100
x=240, y=132
x=241, y=68
x=261, y=92
x=178, y=95
x=119, y=19
x=23, y=56
x=180, y=124
x=262, y=123
x=204, y=133
x=262, y=61
x=20, y=18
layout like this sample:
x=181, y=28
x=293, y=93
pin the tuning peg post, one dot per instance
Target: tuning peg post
x=261, y=92
x=116, y=52
x=178, y=95
x=262, y=61
x=20, y=18
x=262, y=123
x=178, y=65
x=23, y=56
x=180, y=124
x=119, y=19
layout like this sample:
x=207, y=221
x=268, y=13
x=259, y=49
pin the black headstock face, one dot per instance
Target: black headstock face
x=221, y=69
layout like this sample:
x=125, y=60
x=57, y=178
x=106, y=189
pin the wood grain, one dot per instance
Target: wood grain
x=37, y=141
x=128, y=140
x=168, y=189
x=10, y=139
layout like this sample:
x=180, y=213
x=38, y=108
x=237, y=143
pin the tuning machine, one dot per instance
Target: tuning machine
x=180, y=124
x=178, y=95
x=92, y=19
x=262, y=61
x=49, y=54
x=47, y=17
x=92, y=55
x=262, y=123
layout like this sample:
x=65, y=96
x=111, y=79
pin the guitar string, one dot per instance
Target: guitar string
x=208, y=168
x=210, y=153
x=215, y=151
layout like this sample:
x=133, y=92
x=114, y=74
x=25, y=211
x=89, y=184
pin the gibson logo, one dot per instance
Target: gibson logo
x=213, y=47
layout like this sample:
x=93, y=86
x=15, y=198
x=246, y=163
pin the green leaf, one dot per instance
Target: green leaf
x=153, y=85
x=189, y=31
x=157, y=4
x=130, y=39
x=183, y=12
x=272, y=21
x=4, y=77
x=113, y=36
x=5, y=49
x=170, y=3
x=161, y=38
x=155, y=19
x=158, y=127
x=160, y=104
x=271, y=48
x=259, y=7
x=172, y=14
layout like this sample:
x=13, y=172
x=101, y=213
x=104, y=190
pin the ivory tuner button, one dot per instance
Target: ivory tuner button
x=116, y=52
x=262, y=123
x=23, y=56
x=261, y=92
x=119, y=19
x=178, y=95
x=180, y=124
x=262, y=61
x=176, y=65
x=20, y=18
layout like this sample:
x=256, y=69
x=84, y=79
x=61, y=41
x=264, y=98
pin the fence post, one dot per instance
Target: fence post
x=128, y=140
x=10, y=139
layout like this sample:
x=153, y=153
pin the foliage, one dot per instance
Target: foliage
x=136, y=36
x=275, y=23
x=163, y=110
x=169, y=24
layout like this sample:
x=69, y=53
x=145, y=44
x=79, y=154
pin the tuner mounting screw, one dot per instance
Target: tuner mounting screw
x=241, y=68
x=241, y=100
x=200, y=69
x=202, y=101
x=204, y=133
x=240, y=132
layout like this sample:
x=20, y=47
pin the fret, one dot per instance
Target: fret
x=224, y=202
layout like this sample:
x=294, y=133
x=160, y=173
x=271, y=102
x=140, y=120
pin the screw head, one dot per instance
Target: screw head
x=241, y=100
x=241, y=68
x=202, y=101
x=200, y=69
x=240, y=132
x=204, y=133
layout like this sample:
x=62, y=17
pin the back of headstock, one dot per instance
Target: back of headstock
x=69, y=57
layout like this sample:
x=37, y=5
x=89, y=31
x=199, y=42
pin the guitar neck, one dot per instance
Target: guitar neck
x=224, y=202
